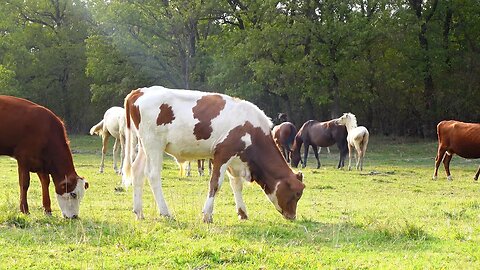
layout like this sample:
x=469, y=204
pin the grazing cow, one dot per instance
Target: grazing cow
x=193, y=125
x=357, y=139
x=112, y=124
x=37, y=139
x=284, y=134
x=459, y=138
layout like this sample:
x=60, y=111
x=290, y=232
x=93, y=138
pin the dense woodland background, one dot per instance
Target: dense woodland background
x=399, y=65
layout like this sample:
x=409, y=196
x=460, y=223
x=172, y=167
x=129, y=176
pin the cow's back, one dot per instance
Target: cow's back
x=459, y=138
x=23, y=124
x=192, y=123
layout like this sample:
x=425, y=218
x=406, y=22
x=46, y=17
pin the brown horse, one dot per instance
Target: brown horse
x=319, y=134
x=283, y=135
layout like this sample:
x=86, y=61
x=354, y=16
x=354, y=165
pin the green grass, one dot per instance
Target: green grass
x=392, y=215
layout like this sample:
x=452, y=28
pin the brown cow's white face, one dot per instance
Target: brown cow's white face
x=69, y=202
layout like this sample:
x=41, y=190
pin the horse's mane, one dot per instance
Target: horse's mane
x=353, y=119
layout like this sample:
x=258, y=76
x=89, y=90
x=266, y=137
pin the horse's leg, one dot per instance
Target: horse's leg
x=189, y=169
x=288, y=151
x=364, y=149
x=138, y=175
x=315, y=152
x=358, y=156
x=305, y=154
x=24, y=182
x=284, y=152
x=349, y=157
x=446, y=163
x=105, y=137
x=438, y=159
x=122, y=152
x=200, y=166
x=45, y=181
x=116, y=145
x=343, y=153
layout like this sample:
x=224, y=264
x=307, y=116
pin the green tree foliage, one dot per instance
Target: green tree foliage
x=47, y=55
x=399, y=65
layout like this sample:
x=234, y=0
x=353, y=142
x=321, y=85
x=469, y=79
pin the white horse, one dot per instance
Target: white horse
x=357, y=137
x=112, y=124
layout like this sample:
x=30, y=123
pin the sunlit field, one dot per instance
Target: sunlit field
x=391, y=215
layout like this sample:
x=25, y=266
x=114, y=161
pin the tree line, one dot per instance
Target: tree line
x=399, y=65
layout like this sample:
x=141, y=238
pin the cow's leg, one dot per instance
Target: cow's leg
x=446, y=164
x=24, y=181
x=315, y=152
x=138, y=175
x=438, y=160
x=218, y=173
x=154, y=174
x=105, y=137
x=476, y=175
x=45, y=181
x=236, y=183
x=115, y=153
x=305, y=154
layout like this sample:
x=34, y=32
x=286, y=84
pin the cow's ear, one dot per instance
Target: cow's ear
x=300, y=176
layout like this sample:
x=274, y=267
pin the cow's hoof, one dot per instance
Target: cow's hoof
x=207, y=218
x=242, y=215
x=434, y=177
x=449, y=178
x=48, y=213
x=138, y=215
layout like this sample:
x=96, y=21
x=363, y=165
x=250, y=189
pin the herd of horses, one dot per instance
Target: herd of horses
x=243, y=145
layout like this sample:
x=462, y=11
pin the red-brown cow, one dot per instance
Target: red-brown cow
x=459, y=138
x=36, y=138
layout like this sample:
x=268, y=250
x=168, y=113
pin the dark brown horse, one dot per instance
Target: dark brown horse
x=283, y=135
x=319, y=134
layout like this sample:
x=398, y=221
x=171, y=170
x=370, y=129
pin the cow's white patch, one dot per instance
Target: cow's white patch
x=247, y=139
x=273, y=198
x=69, y=202
x=448, y=153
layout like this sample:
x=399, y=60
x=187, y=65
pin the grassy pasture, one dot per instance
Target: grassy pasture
x=392, y=215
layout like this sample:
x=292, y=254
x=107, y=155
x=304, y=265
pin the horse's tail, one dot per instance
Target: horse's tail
x=293, y=133
x=96, y=128
x=364, y=141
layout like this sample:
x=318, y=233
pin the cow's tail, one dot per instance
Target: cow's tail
x=96, y=128
x=129, y=148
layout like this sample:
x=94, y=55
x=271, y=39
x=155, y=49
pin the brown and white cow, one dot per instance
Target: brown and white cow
x=36, y=138
x=190, y=125
x=459, y=138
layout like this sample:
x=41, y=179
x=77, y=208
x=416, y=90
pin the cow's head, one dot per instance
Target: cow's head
x=286, y=195
x=69, y=199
